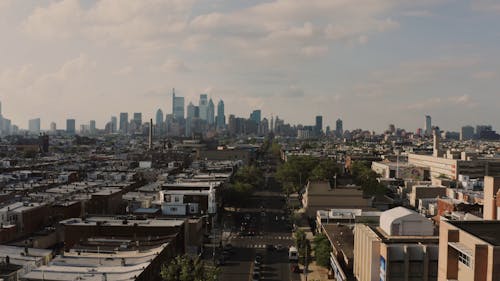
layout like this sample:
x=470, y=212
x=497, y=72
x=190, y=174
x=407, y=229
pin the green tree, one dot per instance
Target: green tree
x=185, y=268
x=322, y=249
x=296, y=170
x=237, y=194
x=365, y=177
x=303, y=247
x=250, y=175
x=325, y=170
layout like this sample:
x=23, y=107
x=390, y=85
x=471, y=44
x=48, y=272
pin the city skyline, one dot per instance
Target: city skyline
x=390, y=60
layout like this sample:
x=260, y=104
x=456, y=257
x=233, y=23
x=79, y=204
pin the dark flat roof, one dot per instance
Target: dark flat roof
x=489, y=231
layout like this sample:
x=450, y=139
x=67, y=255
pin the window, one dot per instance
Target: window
x=176, y=198
x=464, y=258
x=173, y=209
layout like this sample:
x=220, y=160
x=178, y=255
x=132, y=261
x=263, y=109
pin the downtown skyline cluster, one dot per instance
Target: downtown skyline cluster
x=390, y=60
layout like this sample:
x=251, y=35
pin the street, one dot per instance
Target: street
x=263, y=229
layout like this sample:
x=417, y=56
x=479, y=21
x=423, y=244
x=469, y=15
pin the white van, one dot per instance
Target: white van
x=293, y=254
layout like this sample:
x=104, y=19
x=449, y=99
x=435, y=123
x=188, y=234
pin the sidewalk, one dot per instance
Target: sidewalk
x=315, y=273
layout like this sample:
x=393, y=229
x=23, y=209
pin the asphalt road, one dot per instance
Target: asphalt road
x=269, y=226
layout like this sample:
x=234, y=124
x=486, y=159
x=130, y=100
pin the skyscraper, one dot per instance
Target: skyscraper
x=34, y=126
x=255, y=116
x=191, y=114
x=318, y=128
x=177, y=106
x=114, y=124
x=124, y=122
x=138, y=118
x=467, y=133
x=339, y=128
x=428, y=125
x=221, y=118
x=211, y=112
x=159, y=122
x=203, y=105
x=92, y=127
x=70, y=126
x=53, y=127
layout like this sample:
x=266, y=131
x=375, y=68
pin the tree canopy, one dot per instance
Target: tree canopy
x=185, y=268
x=367, y=179
x=322, y=249
x=299, y=169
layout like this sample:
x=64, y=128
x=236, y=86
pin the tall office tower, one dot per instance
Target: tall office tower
x=124, y=122
x=177, y=106
x=255, y=116
x=339, y=128
x=428, y=125
x=34, y=126
x=114, y=124
x=221, y=118
x=203, y=105
x=190, y=115
x=70, y=126
x=211, y=112
x=318, y=127
x=232, y=124
x=159, y=122
x=481, y=128
x=467, y=133
x=264, y=126
x=92, y=127
x=159, y=117
x=137, y=119
x=53, y=127
x=191, y=111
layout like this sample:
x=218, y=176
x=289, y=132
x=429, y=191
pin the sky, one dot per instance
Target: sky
x=368, y=62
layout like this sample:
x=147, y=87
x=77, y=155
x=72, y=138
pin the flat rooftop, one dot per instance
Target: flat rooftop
x=487, y=231
x=119, y=222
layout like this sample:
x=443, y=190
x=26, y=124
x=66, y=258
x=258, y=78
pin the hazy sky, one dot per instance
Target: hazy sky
x=369, y=62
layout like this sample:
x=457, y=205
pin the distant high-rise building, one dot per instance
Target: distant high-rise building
x=191, y=111
x=159, y=117
x=159, y=122
x=264, y=126
x=124, y=122
x=92, y=127
x=70, y=126
x=211, y=112
x=53, y=127
x=138, y=118
x=190, y=115
x=34, y=126
x=177, y=106
x=339, y=128
x=467, y=133
x=318, y=127
x=221, y=118
x=255, y=116
x=203, y=105
x=114, y=124
x=428, y=125
x=481, y=128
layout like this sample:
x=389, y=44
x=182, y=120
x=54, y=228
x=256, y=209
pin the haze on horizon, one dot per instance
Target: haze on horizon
x=369, y=62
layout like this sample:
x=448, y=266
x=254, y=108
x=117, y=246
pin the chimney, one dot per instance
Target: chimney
x=150, y=133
